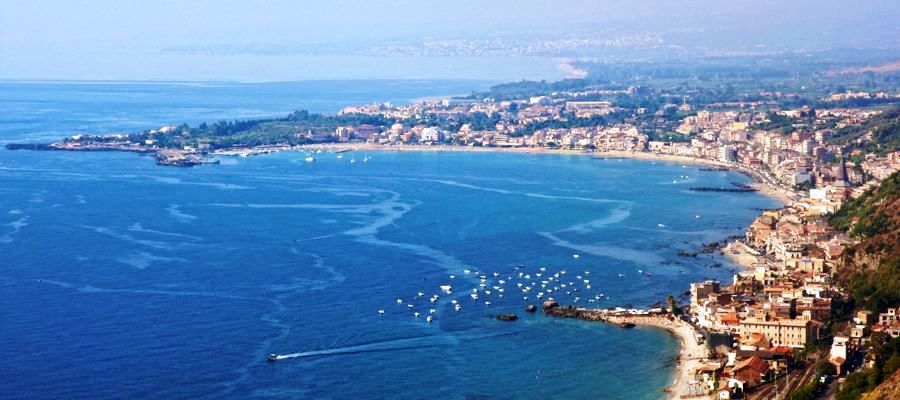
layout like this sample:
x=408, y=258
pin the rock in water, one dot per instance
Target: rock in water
x=550, y=304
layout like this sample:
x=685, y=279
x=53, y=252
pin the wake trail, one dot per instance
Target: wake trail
x=391, y=345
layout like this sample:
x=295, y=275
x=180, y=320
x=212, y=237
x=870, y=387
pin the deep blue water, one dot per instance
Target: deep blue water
x=121, y=279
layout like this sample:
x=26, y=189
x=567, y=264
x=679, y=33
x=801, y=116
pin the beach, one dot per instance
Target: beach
x=692, y=352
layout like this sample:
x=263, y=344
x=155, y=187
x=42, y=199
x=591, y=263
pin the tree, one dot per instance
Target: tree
x=673, y=307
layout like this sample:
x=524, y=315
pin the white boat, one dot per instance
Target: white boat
x=446, y=288
x=310, y=159
x=381, y=312
x=428, y=319
x=339, y=156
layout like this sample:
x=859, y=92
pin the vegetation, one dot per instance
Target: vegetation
x=883, y=128
x=673, y=306
x=871, y=268
x=806, y=392
x=886, y=355
x=872, y=218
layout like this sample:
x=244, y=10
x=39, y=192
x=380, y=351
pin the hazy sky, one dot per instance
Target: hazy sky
x=127, y=39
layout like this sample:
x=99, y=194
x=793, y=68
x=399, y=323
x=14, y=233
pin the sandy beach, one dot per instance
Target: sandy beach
x=692, y=352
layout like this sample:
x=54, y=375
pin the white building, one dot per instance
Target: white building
x=432, y=134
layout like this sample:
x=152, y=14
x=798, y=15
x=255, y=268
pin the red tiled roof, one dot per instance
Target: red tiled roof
x=755, y=363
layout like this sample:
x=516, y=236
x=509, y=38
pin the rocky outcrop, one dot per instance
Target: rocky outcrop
x=550, y=304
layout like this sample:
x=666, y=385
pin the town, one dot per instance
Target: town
x=785, y=324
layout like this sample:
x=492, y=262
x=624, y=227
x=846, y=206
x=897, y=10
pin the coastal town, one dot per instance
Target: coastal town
x=780, y=326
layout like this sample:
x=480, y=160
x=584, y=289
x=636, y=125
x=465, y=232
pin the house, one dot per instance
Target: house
x=751, y=371
x=839, y=352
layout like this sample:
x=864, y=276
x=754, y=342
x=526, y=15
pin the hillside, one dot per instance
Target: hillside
x=889, y=389
x=884, y=129
x=871, y=268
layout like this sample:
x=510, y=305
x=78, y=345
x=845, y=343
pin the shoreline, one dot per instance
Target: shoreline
x=759, y=183
x=690, y=351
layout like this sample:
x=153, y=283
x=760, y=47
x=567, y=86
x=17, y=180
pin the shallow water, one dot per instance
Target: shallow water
x=122, y=279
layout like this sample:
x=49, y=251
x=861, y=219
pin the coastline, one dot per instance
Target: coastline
x=761, y=184
x=690, y=351
x=690, y=354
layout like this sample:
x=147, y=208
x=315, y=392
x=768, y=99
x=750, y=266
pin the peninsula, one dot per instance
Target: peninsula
x=818, y=296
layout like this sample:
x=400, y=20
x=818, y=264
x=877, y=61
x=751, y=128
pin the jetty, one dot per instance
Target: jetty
x=723, y=189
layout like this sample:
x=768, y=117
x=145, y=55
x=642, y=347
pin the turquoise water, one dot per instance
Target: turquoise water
x=122, y=279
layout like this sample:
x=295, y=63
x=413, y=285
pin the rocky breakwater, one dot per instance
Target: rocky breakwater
x=553, y=309
x=178, y=158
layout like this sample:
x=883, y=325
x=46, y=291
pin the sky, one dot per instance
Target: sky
x=147, y=40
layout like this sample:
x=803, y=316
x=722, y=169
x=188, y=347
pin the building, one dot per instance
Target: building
x=838, y=354
x=700, y=291
x=726, y=154
x=432, y=134
x=795, y=333
x=751, y=371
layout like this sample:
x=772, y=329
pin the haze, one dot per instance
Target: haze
x=286, y=40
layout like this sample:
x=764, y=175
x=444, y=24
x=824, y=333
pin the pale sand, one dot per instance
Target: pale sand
x=743, y=258
x=692, y=352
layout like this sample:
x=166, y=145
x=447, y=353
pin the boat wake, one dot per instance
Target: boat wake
x=390, y=345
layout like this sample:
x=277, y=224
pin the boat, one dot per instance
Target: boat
x=272, y=357
x=352, y=160
x=446, y=288
x=339, y=156
x=310, y=159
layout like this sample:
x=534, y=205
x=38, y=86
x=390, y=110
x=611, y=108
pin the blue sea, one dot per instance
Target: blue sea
x=122, y=279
